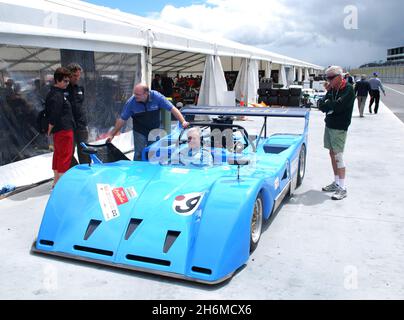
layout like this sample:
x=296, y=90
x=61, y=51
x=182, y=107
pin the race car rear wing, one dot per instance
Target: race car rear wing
x=251, y=112
x=289, y=112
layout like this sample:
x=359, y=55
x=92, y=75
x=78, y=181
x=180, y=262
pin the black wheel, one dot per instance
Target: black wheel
x=256, y=223
x=302, y=166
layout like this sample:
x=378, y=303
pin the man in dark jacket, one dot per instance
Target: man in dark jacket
x=61, y=123
x=168, y=86
x=156, y=84
x=362, y=88
x=338, y=106
x=75, y=95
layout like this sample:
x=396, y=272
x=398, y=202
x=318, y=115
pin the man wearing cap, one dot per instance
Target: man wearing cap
x=375, y=86
x=338, y=106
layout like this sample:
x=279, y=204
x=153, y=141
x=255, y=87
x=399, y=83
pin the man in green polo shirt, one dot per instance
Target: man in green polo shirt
x=338, y=106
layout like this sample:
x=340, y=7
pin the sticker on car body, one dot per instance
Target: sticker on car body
x=107, y=202
x=120, y=196
x=187, y=204
x=131, y=192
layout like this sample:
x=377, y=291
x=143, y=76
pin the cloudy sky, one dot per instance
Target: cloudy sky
x=343, y=32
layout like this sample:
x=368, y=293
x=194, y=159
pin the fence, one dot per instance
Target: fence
x=387, y=74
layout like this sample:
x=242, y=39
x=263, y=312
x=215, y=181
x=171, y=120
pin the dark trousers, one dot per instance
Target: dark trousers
x=140, y=142
x=80, y=135
x=375, y=97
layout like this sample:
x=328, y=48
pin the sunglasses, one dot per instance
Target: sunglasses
x=191, y=138
x=329, y=78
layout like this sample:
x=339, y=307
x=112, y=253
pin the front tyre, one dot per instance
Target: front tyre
x=302, y=166
x=256, y=223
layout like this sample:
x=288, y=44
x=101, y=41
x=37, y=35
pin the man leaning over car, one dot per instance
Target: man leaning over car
x=144, y=107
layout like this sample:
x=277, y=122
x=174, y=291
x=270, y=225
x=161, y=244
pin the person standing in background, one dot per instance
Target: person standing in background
x=61, y=123
x=362, y=88
x=375, y=86
x=75, y=94
x=156, y=84
x=349, y=78
x=168, y=86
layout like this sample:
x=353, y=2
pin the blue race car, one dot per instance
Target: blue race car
x=197, y=219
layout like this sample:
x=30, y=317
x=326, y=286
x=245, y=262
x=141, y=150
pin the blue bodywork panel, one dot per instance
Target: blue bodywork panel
x=190, y=222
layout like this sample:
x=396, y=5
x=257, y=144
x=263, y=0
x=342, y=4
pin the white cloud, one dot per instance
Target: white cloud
x=233, y=19
x=310, y=30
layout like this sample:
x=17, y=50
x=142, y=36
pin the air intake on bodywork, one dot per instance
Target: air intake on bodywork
x=201, y=270
x=94, y=250
x=133, y=224
x=91, y=228
x=170, y=239
x=148, y=260
x=46, y=242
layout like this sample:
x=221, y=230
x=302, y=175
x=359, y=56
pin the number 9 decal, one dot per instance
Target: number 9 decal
x=187, y=204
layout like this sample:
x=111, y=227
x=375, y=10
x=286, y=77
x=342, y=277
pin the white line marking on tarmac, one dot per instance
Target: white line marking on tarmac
x=399, y=92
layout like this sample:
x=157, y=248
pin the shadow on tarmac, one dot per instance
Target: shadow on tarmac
x=310, y=198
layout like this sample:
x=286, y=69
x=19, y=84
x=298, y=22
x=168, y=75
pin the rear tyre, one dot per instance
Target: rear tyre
x=256, y=223
x=302, y=166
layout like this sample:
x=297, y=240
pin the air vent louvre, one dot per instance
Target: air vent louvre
x=170, y=239
x=92, y=225
x=133, y=224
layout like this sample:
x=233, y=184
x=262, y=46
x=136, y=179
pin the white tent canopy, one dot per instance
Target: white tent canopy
x=290, y=75
x=300, y=74
x=42, y=27
x=241, y=85
x=268, y=68
x=306, y=74
x=247, y=82
x=282, y=76
x=253, y=81
x=213, y=84
x=67, y=23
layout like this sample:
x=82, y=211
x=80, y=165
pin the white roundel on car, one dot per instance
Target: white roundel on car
x=186, y=204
